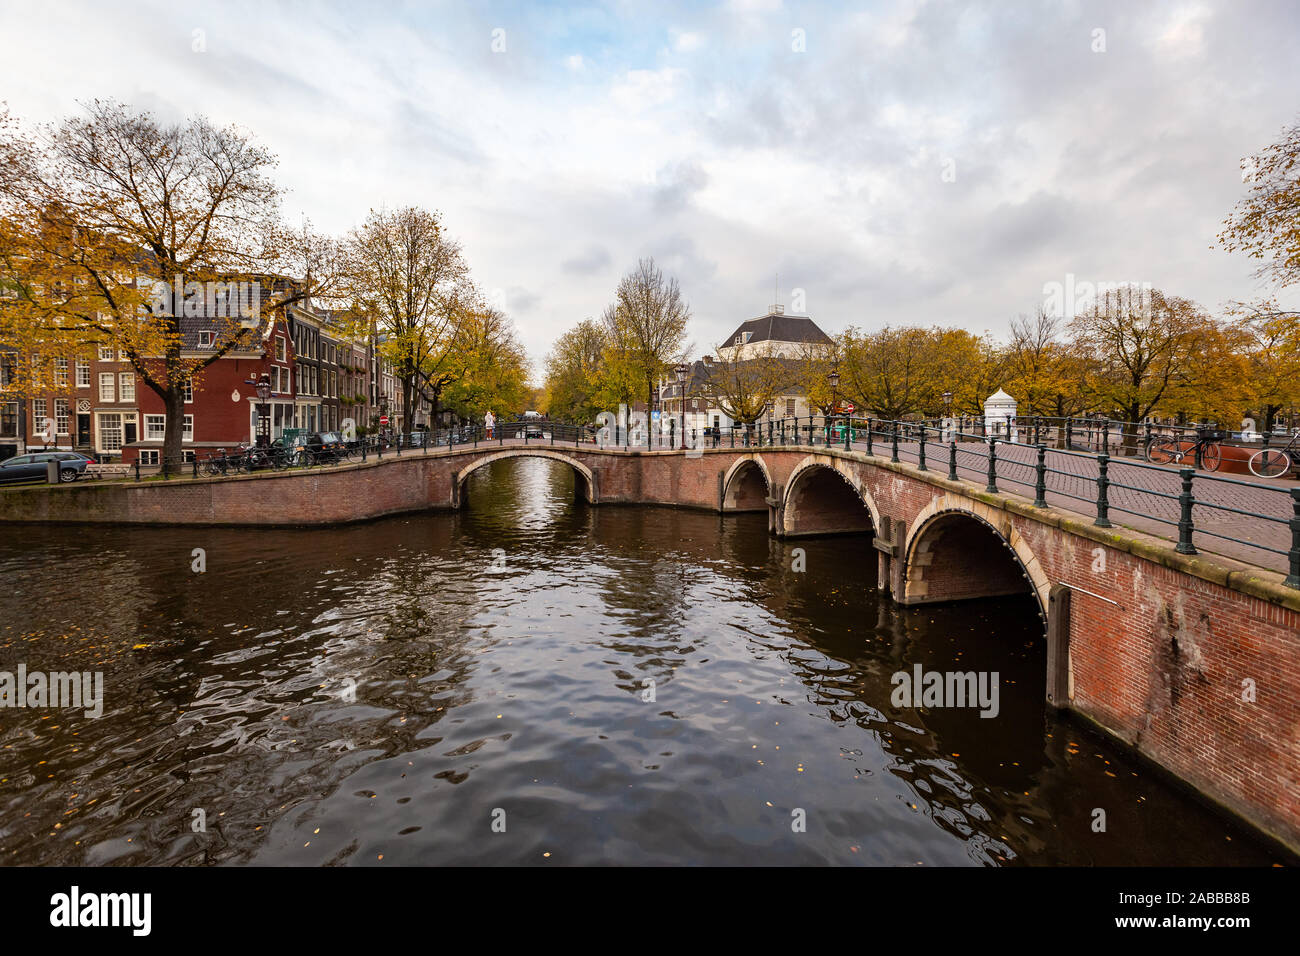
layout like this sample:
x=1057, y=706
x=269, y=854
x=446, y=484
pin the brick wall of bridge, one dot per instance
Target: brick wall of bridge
x=1161, y=647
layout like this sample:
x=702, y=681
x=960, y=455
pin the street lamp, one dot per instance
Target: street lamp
x=263, y=388
x=681, y=371
x=834, y=379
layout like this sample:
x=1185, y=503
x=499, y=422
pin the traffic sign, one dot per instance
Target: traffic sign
x=383, y=419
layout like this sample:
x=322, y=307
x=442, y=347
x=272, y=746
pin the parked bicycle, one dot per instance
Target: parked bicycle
x=1205, y=448
x=223, y=464
x=1275, y=462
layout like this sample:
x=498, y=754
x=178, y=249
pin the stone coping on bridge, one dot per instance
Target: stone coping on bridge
x=1218, y=569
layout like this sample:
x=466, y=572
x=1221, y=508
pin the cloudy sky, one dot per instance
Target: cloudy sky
x=894, y=162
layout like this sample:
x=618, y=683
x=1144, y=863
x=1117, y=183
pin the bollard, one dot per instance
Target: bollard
x=1293, y=579
x=1069, y=433
x=848, y=430
x=137, y=469
x=1185, y=500
x=893, y=438
x=1040, y=480
x=870, y=426
x=195, y=462
x=993, y=465
x=952, y=459
x=922, y=456
x=1103, y=492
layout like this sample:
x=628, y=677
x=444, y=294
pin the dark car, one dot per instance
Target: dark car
x=322, y=447
x=33, y=467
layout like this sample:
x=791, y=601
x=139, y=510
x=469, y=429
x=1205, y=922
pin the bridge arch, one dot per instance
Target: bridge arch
x=826, y=495
x=582, y=475
x=746, y=485
x=958, y=549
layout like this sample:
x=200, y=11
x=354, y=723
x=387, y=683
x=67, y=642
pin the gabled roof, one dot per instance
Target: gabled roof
x=778, y=327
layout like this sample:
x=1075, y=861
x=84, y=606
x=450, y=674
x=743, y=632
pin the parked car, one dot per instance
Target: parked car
x=33, y=467
x=321, y=447
x=532, y=430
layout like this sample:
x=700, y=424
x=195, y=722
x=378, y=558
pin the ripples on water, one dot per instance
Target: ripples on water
x=500, y=657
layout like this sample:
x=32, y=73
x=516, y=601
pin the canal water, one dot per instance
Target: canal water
x=532, y=680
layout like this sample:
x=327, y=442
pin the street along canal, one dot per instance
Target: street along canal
x=532, y=680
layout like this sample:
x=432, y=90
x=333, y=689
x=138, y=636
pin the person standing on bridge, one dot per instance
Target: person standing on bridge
x=489, y=422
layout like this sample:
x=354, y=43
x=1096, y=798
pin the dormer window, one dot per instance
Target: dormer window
x=207, y=339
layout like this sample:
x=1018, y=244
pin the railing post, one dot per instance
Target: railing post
x=1293, y=579
x=1040, y=480
x=992, y=486
x=1069, y=432
x=195, y=462
x=1103, y=492
x=1147, y=440
x=1105, y=436
x=893, y=432
x=1035, y=429
x=922, y=457
x=137, y=467
x=952, y=459
x=1185, y=501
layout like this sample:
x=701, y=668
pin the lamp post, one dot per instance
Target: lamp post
x=770, y=407
x=947, y=414
x=681, y=371
x=263, y=388
x=833, y=378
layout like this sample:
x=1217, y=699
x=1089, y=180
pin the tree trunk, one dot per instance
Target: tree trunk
x=173, y=448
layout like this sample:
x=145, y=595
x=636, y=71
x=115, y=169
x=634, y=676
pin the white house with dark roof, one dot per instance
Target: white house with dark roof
x=775, y=335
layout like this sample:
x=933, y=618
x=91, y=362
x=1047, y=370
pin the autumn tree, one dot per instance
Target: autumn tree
x=1266, y=223
x=743, y=387
x=488, y=370
x=409, y=282
x=117, y=229
x=575, y=370
x=647, y=326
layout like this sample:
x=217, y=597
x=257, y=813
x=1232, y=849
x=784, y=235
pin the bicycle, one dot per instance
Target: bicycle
x=223, y=464
x=1170, y=451
x=1274, y=462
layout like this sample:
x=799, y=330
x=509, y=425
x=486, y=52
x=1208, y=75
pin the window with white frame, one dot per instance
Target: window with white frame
x=148, y=456
x=106, y=391
x=83, y=375
x=789, y=408
x=110, y=431
x=188, y=389
x=155, y=427
x=105, y=353
x=61, y=416
x=207, y=339
x=39, y=413
x=279, y=348
x=60, y=372
x=187, y=430
x=126, y=386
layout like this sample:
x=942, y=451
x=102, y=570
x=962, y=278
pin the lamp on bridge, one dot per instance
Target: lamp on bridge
x=680, y=372
x=947, y=416
x=833, y=378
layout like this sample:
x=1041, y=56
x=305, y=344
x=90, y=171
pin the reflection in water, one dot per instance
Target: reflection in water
x=328, y=696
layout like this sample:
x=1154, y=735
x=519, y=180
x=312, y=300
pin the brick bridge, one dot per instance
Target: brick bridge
x=1192, y=660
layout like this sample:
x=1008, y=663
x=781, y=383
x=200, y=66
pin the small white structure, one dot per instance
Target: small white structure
x=1248, y=432
x=999, y=416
